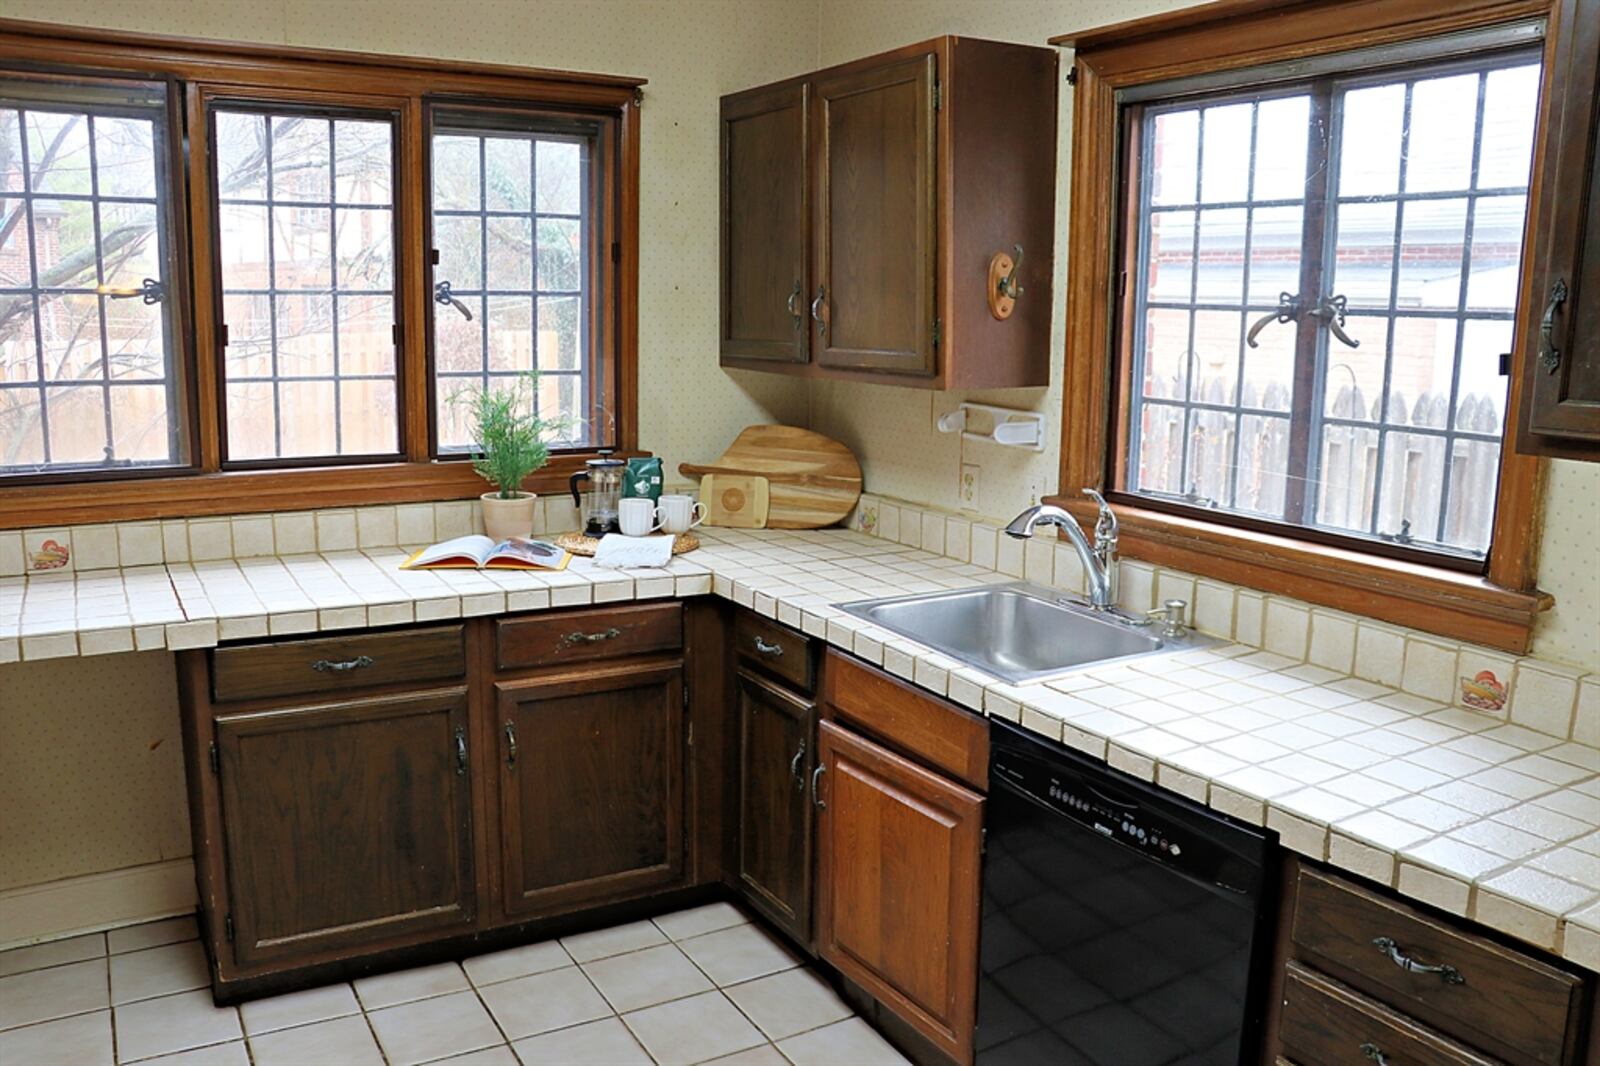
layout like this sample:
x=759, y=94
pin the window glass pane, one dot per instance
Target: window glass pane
x=1371, y=403
x=513, y=235
x=306, y=246
x=89, y=378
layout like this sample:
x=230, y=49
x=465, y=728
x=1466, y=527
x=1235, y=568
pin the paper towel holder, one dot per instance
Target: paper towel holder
x=1013, y=429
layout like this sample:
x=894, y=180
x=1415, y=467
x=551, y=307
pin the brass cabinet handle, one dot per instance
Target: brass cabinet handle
x=816, y=309
x=816, y=787
x=511, y=743
x=461, y=752
x=593, y=638
x=1549, y=354
x=1449, y=974
x=794, y=309
x=774, y=650
x=323, y=666
x=1375, y=1053
x=794, y=767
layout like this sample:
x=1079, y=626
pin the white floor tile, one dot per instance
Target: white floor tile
x=693, y=1030
x=787, y=1003
x=541, y=1002
x=742, y=953
x=606, y=1042
x=682, y=925
x=162, y=1026
x=852, y=1041
x=619, y=939
x=82, y=1040
x=40, y=995
x=298, y=1008
x=158, y=972
x=346, y=1041
x=404, y=986
x=52, y=953
x=645, y=978
x=434, y=1029
x=516, y=962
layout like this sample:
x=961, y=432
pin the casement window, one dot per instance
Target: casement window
x=1323, y=278
x=240, y=278
x=1296, y=301
x=515, y=234
x=91, y=367
x=305, y=227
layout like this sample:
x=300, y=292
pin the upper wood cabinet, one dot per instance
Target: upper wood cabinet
x=862, y=206
x=1561, y=331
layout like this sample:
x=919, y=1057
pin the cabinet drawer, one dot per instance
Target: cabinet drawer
x=336, y=664
x=1326, y=1023
x=939, y=733
x=783, y=651
x=581, y=636
x=1492, y=997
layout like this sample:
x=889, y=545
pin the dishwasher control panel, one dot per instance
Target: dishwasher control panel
x=1125, y=823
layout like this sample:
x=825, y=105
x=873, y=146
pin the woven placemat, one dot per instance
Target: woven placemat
x=579, y=544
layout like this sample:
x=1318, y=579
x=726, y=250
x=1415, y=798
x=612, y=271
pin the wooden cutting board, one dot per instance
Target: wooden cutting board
x=812, y=480
x=735, y=501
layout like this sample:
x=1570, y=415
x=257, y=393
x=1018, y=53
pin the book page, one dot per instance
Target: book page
x=472, y=549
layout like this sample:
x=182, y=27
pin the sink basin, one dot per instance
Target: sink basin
x=1019, y=632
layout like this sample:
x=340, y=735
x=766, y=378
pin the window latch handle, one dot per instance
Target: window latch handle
x=1288, y=310
x=1332, y=313
x=442, y=295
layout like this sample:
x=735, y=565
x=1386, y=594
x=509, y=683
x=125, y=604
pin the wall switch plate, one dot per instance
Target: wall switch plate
x=967, y=490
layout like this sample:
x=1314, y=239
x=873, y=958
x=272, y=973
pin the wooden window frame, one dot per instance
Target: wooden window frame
x=1496, y=608
x=198, y=71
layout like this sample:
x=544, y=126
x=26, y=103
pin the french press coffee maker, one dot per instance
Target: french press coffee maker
x=599, y=505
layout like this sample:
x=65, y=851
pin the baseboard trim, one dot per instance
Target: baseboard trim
x=87, y=904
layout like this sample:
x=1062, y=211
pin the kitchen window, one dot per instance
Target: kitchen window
x=306, y=265
x=235, y=285
x=91, y=378
x=1297, y=249
x=514, y=232
x=1324, y=278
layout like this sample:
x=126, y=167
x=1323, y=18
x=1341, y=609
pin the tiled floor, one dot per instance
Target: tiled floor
x=701, y=985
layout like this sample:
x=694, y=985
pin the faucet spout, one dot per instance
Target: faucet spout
x=1097, y=561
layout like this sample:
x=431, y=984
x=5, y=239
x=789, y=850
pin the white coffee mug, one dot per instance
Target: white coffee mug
x=680, y=513
x=638, y=517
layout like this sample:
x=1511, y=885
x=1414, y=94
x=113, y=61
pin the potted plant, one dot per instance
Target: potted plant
x=510, y=438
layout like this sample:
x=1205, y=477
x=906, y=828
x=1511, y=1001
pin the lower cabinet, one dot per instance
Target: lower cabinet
x=898, y=853
x=345, y=824
x=591, y=785
x=776, y=759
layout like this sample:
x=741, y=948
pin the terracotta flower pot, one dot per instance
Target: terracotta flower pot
x=512, y=517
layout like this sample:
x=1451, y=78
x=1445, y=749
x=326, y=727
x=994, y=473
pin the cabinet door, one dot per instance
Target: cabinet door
x=764, y=226
x=776, y=753
x=874, y=230
x=1562, y=326
x=591, y=785
x=347, y=824
x=897, y=885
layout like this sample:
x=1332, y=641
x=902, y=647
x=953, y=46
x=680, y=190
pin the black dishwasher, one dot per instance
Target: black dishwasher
x=1123, y=925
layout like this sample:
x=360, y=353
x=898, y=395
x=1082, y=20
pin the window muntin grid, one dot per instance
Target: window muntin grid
x=1217, y=424
x=513, y=233
x=306, y=252
x=89, y=375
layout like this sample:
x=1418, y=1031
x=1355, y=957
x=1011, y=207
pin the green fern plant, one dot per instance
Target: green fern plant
x=509, y=433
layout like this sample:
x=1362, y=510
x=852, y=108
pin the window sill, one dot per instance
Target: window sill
x=1451, y=604
x=254, y=491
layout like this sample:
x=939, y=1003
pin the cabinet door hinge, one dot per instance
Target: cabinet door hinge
x=227, y=927
x=938, y=331
x=216, y=760
x=938, y=95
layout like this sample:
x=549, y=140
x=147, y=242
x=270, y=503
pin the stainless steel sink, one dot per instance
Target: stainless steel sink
x=1019, y=632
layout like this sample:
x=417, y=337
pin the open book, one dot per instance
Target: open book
x=477, y=552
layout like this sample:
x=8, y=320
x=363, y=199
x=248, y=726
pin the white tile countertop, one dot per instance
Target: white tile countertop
x=1486, y=819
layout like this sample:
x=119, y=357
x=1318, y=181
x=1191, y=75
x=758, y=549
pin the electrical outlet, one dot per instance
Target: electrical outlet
x=967, y=491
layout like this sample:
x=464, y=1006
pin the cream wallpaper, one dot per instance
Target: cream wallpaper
x=892, y=429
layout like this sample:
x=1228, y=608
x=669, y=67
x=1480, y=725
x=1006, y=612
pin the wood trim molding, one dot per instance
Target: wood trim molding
x=1497, y=610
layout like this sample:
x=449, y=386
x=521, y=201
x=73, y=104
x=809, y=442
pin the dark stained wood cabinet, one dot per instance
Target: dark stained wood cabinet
x=1561, y=325
x=591, y=785
x=346, y=824
x=765, y=209
x=898, y=867
x=777, y=752
x=919, y=165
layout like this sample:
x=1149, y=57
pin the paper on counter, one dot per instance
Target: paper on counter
x=618, y=551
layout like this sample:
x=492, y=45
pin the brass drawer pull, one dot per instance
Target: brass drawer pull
x=774, y=650
x=1375, y=1053
x=1389, y=947
x=592, y=638
x=323, y=666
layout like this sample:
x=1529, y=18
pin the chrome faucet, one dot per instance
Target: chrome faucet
x=1099, y=562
